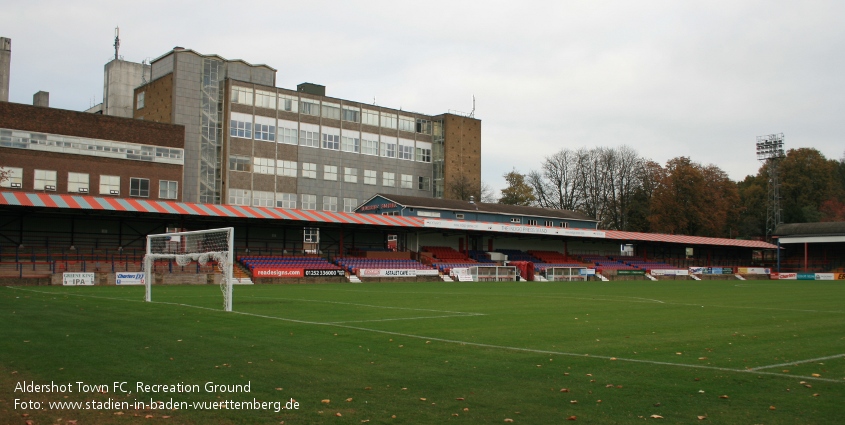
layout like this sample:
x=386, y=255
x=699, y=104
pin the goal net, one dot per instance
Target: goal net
x=201, y=246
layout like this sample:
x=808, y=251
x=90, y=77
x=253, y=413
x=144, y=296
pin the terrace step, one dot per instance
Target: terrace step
x=446, y=278
x=465, y=278
x=650, y=277
x=242, y=281
x=354, y=279
x=540, y=278
x=601, y=276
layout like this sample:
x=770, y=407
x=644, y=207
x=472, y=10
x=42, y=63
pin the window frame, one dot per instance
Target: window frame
x=163, y=186
x=109, y=185
x=136, y=187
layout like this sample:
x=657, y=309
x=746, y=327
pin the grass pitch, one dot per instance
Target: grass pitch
x=418, y=353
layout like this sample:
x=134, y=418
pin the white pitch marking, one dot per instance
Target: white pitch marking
x=475, y=344
x=405, y=318
x=799, y=362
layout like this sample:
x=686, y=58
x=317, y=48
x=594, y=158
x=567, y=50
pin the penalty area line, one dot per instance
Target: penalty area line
x=797, y=362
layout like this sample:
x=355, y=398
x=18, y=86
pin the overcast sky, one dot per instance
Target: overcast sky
x=668, y=78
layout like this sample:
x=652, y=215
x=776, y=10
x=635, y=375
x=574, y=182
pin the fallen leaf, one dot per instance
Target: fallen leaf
x=701, y=417
x=723, y=396
x=702, y=358
x=786, y=371
x=572, y=418
x=656, y=404
x=564, y=390
x=349, y=399
x=816, y=395
x=454, y=414
x=508, y=420
x=149, y=417
x=363, y=421
x=816, y=375
x=573, y=401
x=393, y=416
x=701, y=391
x=618, y=386
x=326, y=401
x=338, y=414
x=278, y=389
x=422, y=398
x=368, y=388
x=656, y=417
x=428, y=342
x=598, y=401
x=118, y=413
x=466, y=409
x=808, y=385
x=613, y=358
x=679, y=353
x=772, y=408
x=460, y=399
x=29, y=422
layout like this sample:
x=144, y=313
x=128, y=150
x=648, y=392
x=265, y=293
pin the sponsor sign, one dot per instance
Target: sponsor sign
x=510, y=228
x=387, y=272
x=669, y=272
x=697, y=270
x=840, y=276
x=277, y=273
x=459, y=271
x=825, y=276
x=78, y=279
x=428, y=272
x=753, y=270
x=129, y=278
x=375, y=207
x=587, y=272
x=786, y=276
x=630, y=272
x=806, y=276
x=311, y=273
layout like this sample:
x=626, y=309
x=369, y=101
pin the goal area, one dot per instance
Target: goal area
x=201, y=246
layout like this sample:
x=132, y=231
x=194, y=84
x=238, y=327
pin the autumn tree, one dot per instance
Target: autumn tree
x=518, y=191
x=807, y=179
x=461, y=188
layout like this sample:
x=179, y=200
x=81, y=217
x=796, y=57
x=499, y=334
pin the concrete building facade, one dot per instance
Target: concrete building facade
x=249, y=142
x=120, y=78
x=5, y=67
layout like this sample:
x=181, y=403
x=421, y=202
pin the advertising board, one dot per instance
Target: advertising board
x=277, y=273
x=78, y=279
x=129, y=278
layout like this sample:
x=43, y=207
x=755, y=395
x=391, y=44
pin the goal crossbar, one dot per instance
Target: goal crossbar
x=202, y=246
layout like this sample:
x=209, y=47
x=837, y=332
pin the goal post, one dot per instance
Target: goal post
x=202, y=246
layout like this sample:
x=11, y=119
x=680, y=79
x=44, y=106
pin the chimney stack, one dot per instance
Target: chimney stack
x=5, y=67
x=42, y=98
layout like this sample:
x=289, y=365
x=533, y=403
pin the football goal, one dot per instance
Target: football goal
x=201, y=246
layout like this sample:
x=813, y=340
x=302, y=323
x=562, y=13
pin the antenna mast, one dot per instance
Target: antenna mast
x=472, y=114
x=116, y=41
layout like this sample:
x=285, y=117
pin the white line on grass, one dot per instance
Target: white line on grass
x=799, y=362
x=405, y=318
x=474, y=344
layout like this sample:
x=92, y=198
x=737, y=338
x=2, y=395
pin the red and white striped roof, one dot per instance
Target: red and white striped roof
x=87, y=202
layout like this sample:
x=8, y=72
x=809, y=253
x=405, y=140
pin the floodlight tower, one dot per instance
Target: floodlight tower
x=770, y=152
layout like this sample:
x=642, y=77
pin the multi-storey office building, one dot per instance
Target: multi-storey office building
x=251, y=143
x=54, y=150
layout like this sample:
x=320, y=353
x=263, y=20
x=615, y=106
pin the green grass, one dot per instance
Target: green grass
x=499, y=350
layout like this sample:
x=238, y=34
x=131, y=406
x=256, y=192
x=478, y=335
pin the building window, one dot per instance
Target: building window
x=240, y=125
x=286, y=168
x=329, y=203
x=265, y=99
x=331, y=141
x=550, y=223
x=388, y=179
x=288, y=103
x=264, y=165
x=370, y=177
x=406, y=152
x=349, y=204
x=309, y=202
x=286, y=200
x=309, y=136
x=369, y=147
x=351, y=113
x=350, y=144
x=263, y=199
x=516, y=220
x=139, y=101
x=406, y=124
x=44, y=180
x=407, y=181
x=350, y=175
x=459, y=216
x=388, y=149
x=423, y=126
x=14, y=179
x=369, y=117
x=109, y=185
x=423, y=155
x=239, y=197
x=531, y=222
x=242, y=95
x=265, y=129
x=424, y=183
x=388, y=120
x=288, y=135
x=139, y=187
x=311, y=235
x=239, y=163
x=330, y=172
x=168, y=189
x=309, y=170
x=77, y=182
x=309, y=107
x=564, y=224
x=331, y=111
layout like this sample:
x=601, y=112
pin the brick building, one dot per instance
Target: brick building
x=56, y=150
x=251, y=143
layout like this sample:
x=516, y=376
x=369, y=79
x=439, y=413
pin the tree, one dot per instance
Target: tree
x=488, y=195
x=462, y=188
x=807, y=179
x=518, y=191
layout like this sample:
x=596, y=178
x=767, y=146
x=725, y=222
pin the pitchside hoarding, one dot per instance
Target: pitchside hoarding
x=129, y=278
x=387, y=273
x=78, y=279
